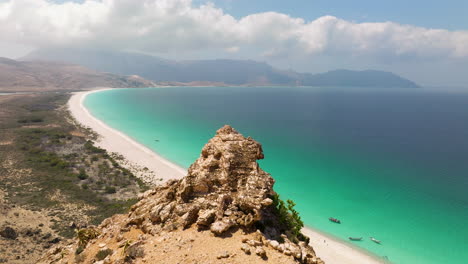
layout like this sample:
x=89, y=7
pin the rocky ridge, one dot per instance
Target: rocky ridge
x=226, y=199
x=17, y=76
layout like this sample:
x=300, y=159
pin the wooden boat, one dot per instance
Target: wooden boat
x=355, y=238
x=334, y=220
x=375, y=240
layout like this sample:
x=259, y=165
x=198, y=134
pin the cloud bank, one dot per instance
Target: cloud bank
x=171, y=26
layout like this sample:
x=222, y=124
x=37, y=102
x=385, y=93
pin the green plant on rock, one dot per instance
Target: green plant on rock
x=103, y=253
x=289, y=218
x=84, y=235
x=125, y=247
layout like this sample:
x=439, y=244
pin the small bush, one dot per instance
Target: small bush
x=36, y=119
x=85, y=235
x=103, y=253
x=289, y=217
x=89, y=146
x=82, y=175
x=110, y=189
x=78, y=250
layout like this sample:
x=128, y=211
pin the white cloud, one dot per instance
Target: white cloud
x=159, y=26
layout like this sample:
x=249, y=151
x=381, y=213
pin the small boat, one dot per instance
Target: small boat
x=375, y=240
x=334, y=220
x=355, y=238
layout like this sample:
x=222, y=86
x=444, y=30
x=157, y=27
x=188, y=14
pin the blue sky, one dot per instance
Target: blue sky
x=449, y=14
x=446, y=14
x=426, y=41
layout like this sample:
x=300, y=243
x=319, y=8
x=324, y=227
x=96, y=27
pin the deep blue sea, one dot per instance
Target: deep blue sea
x=389, y=163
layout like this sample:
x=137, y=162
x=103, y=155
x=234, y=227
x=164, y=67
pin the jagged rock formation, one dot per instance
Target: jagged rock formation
x=224, y=194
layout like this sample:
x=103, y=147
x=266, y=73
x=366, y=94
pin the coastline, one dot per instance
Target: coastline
x=335, y=251
x=137, y=156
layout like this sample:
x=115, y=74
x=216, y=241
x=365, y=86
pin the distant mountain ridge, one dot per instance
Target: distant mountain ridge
x=46, y=75
x=228, y=72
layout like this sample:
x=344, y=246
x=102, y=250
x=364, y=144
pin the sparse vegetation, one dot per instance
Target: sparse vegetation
x=110, y=189
x=289, y=218
x=103, y=253
x=84, y=235
x=82, y=175
x=48, y=166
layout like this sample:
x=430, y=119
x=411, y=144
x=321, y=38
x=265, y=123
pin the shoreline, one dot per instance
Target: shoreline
x=138, y=156
x=337, y=251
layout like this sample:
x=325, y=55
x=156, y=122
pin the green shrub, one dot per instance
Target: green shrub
x=84, y=235
x=82, y=175
x=78, y=250
x=89, y=146
x=36, y=119
x=289, y=217
x=110, y=189
x=103, y=253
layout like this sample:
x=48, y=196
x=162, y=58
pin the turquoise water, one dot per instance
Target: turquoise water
x=391, y=164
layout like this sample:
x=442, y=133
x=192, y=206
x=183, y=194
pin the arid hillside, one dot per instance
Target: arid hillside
x=18, y=76
x=53, y=179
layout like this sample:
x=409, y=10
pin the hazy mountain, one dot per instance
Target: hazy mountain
x=229, y=72
x=41, y=75
x=368, y=78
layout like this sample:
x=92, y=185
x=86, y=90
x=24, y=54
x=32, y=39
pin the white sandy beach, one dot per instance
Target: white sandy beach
x=332, y=251
x=137, y=156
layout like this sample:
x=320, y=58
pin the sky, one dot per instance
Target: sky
x=425, y=41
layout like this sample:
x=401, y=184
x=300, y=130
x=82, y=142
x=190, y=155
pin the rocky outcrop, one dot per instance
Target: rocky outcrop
x=224, y=192
x=224, y=188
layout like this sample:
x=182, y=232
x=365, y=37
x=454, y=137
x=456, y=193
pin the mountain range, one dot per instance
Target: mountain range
x=45, y=75
x=215, y=72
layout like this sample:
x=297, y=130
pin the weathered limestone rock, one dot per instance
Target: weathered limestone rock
x=219, y=227
x=274, y=244
x=246, y=249
x=223, y=254
x=206, y=218
x=190, y=217
x=260, y=252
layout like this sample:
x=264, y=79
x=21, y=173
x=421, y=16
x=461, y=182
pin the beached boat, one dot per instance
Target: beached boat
x=375, y=240
x=334, y=220
x=355, y=238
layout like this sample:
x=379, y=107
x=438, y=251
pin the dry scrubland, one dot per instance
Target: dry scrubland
x=52, y=177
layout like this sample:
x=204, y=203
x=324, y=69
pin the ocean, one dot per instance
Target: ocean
x=389, y=163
